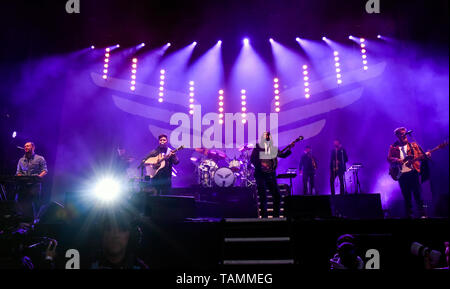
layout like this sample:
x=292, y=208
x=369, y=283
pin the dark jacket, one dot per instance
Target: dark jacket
x=342, y=159
x=306, y=163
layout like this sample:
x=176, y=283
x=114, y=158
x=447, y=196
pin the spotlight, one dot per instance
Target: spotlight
x=219, y=42
x=133, y=74
x=350, y=37
x=117, y=45
x=168, y=44
x=297, y=39
x=362, y=40
x=14, y=134
x=107, y=189
x=194, y=43
x=324, y=38
x=271, y=40
x=246, y=41
x=92, y=47
x=378, y=36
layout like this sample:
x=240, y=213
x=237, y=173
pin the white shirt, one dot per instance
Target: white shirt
x=403, y=154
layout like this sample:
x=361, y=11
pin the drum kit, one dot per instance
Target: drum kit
x=217, y=169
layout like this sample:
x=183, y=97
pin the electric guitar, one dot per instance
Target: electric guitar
x=267, y=165
x=156, y=163
x=395, y=170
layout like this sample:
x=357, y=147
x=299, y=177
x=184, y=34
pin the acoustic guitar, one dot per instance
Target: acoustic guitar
x=395, y=169
x=156, y=163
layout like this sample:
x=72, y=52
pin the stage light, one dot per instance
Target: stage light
x=324, y=38
x=243, y=106
x=219, y=42
x=191, y=96
x=117, y=45
x=221, y=104
x=161, y=85
x=168, y=44
x=14, y=134
x=350, y=37
x=362, y=40
x=305, y=80
x=142, y=44
x=297, y=39
x=92, y=47
x=271, y=40
x=107, y=189
x=194, y=43
x=363, y=53
x=246, y=41
x=379, y=36
x=133, y=73
x=337, y=64
x=106, y=61
x=276, y=94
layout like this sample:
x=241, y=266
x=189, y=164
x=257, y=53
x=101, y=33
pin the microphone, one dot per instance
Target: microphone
x=409, y=132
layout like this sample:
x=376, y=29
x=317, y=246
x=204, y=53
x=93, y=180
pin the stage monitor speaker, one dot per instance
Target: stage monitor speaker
x=307, y=207
x=357, y=206
x=170, y=208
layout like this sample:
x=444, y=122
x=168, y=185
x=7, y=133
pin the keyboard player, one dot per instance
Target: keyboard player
x=28, y=195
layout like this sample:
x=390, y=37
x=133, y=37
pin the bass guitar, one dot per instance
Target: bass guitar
x=267, y=165
x=156, y=163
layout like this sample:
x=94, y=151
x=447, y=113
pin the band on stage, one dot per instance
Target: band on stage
x=256, y=169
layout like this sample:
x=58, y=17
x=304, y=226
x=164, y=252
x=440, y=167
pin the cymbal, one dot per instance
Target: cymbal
x=216, y=154
x=246, y=147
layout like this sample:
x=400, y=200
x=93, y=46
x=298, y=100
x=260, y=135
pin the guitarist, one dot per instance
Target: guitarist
x=162, y=181
x=264, y=159
x=409, y=180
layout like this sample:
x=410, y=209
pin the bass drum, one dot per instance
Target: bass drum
x=224, y=177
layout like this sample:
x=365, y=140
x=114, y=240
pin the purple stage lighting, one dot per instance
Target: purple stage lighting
x=14, y=134
x=92, y=47
x=243, y=106
x=337, y=65
x=221, y=109
x=168, y=44
x=297, y=39
x=219, y=42
x=378, y=36
x=133, y=74
x=194, y=43
x=324, y=38
x=306, y=80
x=106, y=63
x=276, y=91
x=271, y=40
x=191, y=97
x=161, y=85
x=117, y=45
x=246, y=41
x=363, y=53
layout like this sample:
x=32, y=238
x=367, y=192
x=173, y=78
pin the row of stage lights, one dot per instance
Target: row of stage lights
x=245, y=41
x=362, y=43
